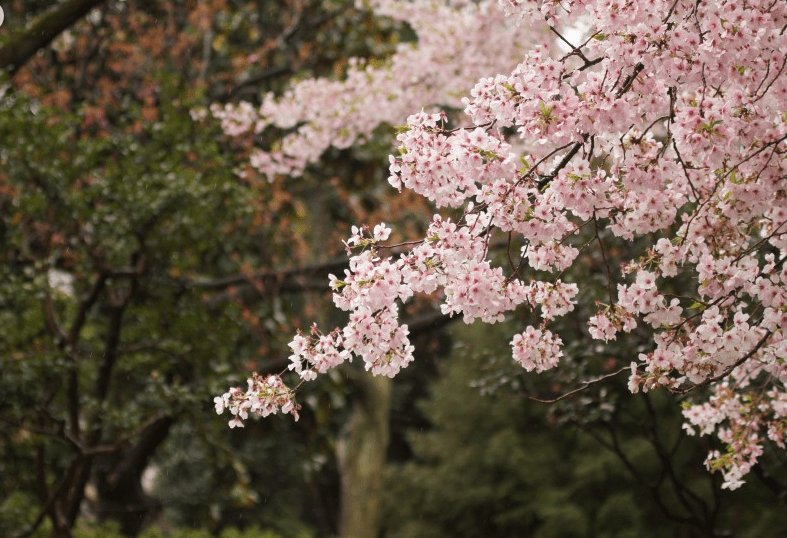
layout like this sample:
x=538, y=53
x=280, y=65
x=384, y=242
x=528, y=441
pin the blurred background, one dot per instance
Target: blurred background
x=145, y=268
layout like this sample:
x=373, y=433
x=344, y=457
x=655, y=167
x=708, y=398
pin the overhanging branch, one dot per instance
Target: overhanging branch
x=23, y=44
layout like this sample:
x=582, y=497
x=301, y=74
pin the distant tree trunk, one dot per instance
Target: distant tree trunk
x=361, y=454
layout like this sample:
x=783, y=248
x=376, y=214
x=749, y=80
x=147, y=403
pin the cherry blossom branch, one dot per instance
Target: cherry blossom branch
x=544, y=181
x=629, y=80
x=768, y=87
x=710, y=195
x=728, y=371
x=603, y=257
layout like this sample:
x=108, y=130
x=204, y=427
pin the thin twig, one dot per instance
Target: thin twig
x=581, y=387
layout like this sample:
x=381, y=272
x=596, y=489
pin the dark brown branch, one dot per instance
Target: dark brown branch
x=544, y=181
x=629, y=80
x=685, y=169
x=768, y=87
x=136, y=458
x=118, y=478
x=110, y=353
x=42, y=490
x=21, y=46
x=69, y=342
x=276, y=275
x=312, y=277
x=604, y=258
x=49, y=506
x=263, y=76
x=111, y=345
x=685, y=495
x=582, y=386
x=428, y=321
x=614, y=446
x=777, y=487
x=84, y=306
x=72, y=391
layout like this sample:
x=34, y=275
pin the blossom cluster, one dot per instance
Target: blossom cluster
x=536, y=349
x=659, y=125
x=442, y=65
x=264, y=396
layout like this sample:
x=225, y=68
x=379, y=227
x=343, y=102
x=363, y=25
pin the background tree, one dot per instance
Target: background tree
x=137, y=266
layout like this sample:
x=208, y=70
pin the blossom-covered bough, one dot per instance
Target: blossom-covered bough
x=458, y=42
x=651, y=122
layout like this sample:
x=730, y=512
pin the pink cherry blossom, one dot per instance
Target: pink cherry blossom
x=658, y=127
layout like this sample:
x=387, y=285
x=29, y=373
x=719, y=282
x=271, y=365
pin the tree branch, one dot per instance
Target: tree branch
x=582, y=386
x=135, y=460
x=728, y=371
x=23, y=44
x=49, y=505
x=290, y=279
x=274, y=275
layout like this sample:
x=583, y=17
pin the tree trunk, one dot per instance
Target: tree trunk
x=361, y=454
x=119, y=481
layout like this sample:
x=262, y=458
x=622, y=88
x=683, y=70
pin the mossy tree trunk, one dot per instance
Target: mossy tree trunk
x=361, y=454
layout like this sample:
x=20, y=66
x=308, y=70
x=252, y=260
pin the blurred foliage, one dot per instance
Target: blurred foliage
x=139, y=225
x=499, y=464
x=112, y=531
x=130, y=249
x=273, y=474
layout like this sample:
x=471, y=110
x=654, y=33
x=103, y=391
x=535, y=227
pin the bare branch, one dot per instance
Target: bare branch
x=581, y=387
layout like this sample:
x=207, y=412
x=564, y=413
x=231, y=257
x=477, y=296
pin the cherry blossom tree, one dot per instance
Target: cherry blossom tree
x=655, y=125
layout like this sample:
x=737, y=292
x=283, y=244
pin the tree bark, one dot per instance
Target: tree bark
x=362, y=448
x=25, y=43
x=361, y=454
x=119, y=480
